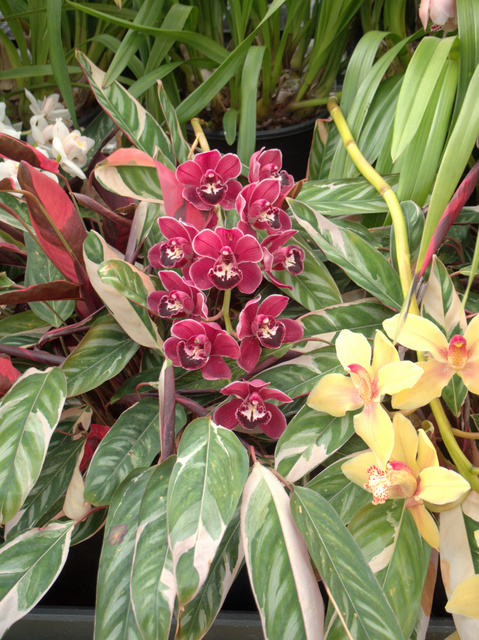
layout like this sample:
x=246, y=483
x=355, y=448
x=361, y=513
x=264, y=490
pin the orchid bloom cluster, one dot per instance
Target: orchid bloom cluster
x=402, y=462
x=200, y=267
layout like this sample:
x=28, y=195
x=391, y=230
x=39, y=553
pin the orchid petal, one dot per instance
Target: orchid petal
x=429, y=386
x=425, y=524
x=173, y=282
x=189, y=173
x=225, y=345
x=229, y=237
x=405, y=442
x=208, y=160
x=470, y=376
x=190, y=193
x=208, y=244
x=426, y=453
x=397, y=376
x=187, y=329
x=215, y=369
x=170, y=350
x=199, y=272
x=294, y=331
x=268, y=189
x=419, y=334
x=471, y=334
x=384, y=352
x=274, y=394
x=252, y=277
x=374, y=426
x=438, y=485
x=465, y=598
x=229, y=166
x=273, y=305
x=250, y=351
x=276, y=425
x=353, y=348
x=246, y=317
x=172, y=228
x=356, y=468
x=233, y=188
x=226, y=414
x=248, y=250
x=335, y=394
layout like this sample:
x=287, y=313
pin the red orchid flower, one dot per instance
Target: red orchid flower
x=258, y=327
x=8, y=374
x=180, y=299
x=209, y=179
x=277, y=257
x=267, y=163
x=95, y=436
x=177, y=250
x=256, y=208
x=201, y=345
x=228, y=259
x=250, y=408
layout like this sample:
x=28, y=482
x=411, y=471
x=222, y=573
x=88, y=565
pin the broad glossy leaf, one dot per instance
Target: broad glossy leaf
x=202, y=499
x=89, y=526
x=114, y=617
x=100, y=356
x=133, y=441
x=365, y=610
x=199, y=614
x=454, y=394
x=309, y=439
x=22, y=329
x=153, y=587
x=29, y=565
x=29, y=412
x=361, y=262
x=284, y=585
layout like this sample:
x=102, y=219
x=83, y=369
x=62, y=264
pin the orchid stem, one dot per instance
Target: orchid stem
x=388, y=195
x=225, y=310
x=198, y=129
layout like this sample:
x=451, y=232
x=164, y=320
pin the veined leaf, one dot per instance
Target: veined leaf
x=202, y=499
x=22, y=329
x=441, y=304
x=29, y=412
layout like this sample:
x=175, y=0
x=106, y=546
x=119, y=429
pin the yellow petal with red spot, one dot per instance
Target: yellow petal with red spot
x=397, y=376
x=465, y=598
x=419, y=334
x=405, y=442
x=429, y=386
x=384, y=352
x=426, y=525
x=374, y=426
x=356, y=468
x=426, y=453
x=334, y=394
x=438, y=485
x=471, y=335
x=470, y=375
x=353, y=348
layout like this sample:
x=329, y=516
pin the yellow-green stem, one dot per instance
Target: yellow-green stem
x=197, y=128
x=225, y=310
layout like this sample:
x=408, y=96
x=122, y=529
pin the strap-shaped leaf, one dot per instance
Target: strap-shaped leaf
x=309, y=439
x=28, y=567
x=357, y=594
x=283, y=583
x=133, y=441
x=28, y=414
x=205, y=487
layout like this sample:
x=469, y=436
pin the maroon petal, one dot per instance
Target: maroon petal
x=194, y=353
x=238, y=388
x=229, y=166
x=225, y=273
x=252, y=277
x=270, y=333
x=248, y=249
x=170, y=350
x=225, y=415
x=208, y=160
x=172, y=228
x=233, y=188
x=187, y=329
x=191, y=194
x=189, y=173
x=246, y=317
x=273, y=305
x=173, y=282
x=253, y=412
x=229, y=237
x=267, y=189
x=225, y=345
x=250, y=351
x=294, y=331
x=276, y=425
x=208, y=244
x=216, y=369
x=274, y=394
x=199, y=273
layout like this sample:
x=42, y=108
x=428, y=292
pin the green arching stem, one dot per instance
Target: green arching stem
x=225, y=310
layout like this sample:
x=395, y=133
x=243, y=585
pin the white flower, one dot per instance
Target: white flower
x=6, y=126
x=442, y=13
x=71, y=148
x=50, y=108
x=9, y=169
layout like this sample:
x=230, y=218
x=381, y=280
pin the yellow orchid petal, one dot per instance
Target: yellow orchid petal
x=384, y=352
x=353, y=348
x=405, y=442
x=426, y=525
x=356, y=468
x=374, y=426
x=470, y=375
x=419, y=334
x=471, y=335
x=438, y=485
x=465, y=598
x=334, y=394
x=426, y=453
x=429, y=386
x=397, y=376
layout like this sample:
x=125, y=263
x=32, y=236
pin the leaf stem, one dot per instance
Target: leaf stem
x=225, y=310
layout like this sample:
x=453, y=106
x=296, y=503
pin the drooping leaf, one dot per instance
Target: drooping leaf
x=22, y=329
x=18, y=150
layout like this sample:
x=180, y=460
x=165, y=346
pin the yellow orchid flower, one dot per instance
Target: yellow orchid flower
x=458, y=356
x=465, y=598
x=369, y=380
x=413, y=473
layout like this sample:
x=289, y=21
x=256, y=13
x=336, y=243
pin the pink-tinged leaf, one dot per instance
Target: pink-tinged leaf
x=17, y=150
x=55, y=220
x=57, y=290
x=8, y=374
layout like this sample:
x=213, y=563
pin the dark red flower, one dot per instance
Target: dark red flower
x=251, y=409
x=228, y=259
x=258, y=327
x=209, y=179
x=177, y=250
x=256, y=208
x=180, y=299
x=267, y=164
x=95, y=436
x=277, y=257
x=201, y=345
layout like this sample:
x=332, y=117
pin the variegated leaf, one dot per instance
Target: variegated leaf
x=355, y=592
x=100, y=356
x=75, y=506
x=29, y=412
x=22, y=329
x=181, y=147
x=205, y=487
x=133, y=441
x=153, y=587
x=441, y=303
x=284, y=585
x=309, y=439
x=28, y=567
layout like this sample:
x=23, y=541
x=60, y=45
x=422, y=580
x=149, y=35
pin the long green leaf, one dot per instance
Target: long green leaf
x=249, y=87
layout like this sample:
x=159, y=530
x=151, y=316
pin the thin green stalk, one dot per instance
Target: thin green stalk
x=225, y=310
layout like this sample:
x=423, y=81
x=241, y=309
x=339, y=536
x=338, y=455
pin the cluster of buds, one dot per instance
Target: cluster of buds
x=218, y=259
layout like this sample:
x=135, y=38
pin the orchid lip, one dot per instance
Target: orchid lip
x=194, y=352
x=253, y=412
x=270, y=333
x=225, y=274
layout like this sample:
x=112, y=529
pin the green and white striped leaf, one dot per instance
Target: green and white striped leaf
x=284, y=585
x=205, y=488
x=153, y=587
x=365, y=610
x=181, y=147
x=29, y=565
x=440, y=303
x=130, y=173
x=22, y=329
x=133, y=441
x=114, y=617
x=122, y=287
x=309, y=439
x=389, y=539
x=29, y=412
x=361, y=262
x=100, y=356
x=199, y=614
